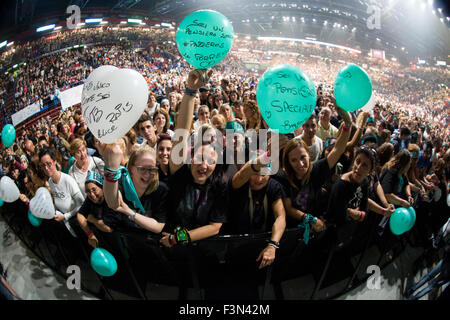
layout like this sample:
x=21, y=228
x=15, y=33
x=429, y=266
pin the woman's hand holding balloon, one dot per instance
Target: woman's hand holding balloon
x=113, y=156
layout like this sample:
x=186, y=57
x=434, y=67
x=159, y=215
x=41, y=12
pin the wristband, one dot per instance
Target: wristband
x=274, y=244
x=112, y=175
x=363, y=214
x=190, y=92
x=182, y=236
x=89, y=233
x=172, y=240
x=383, y=212
x=253, y=168
x=133, y=216
x=266, y=157
x=345, y=129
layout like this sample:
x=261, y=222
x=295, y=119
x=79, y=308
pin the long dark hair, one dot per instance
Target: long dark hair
x=399, y=161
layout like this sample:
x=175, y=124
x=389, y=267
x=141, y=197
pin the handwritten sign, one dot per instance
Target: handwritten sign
x=352, y=88
x=112, y=101
x=286, y=97
x=25, y=113
x=204, y=38
x=71, y=97
x=41, y=205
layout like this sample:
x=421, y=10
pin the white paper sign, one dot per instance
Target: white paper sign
x=70, y=97
x=25, y=113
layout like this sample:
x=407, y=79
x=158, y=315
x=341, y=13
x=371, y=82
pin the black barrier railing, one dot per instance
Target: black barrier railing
x=221, y=267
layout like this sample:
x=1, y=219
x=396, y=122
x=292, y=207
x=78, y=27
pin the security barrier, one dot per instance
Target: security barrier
x=222, y=267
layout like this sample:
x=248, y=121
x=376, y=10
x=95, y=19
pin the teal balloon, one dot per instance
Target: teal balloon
x=412, y=214
x=286, y=97
x=352, y=88
x=35, y=221
x=103, y=262
x=1, y=202
x=8, y=135
x=204, y=38
x=400, y=221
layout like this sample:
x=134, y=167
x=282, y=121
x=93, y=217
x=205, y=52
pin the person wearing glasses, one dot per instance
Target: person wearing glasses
x=135, y=190
x=64, y=189
x=197, y=196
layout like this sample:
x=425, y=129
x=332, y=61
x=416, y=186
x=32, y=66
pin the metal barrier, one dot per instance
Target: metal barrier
x=221, y=267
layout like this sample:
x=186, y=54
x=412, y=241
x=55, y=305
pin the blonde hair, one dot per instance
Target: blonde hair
x=220, y=118
x=226, y=106
x=253, y=106
x=139, y=152
x=76, y=145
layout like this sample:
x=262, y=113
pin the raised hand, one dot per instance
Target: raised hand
x=113, y=155
x=197, y=78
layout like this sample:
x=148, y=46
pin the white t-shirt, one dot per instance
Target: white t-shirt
x=67, y=195
x=316, y=149
x=80, y=176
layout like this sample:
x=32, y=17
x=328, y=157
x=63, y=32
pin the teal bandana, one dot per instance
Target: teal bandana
x=305, y=224
x=130, y=191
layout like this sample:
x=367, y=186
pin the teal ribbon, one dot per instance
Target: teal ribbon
x=305, y=224
x=130, y=191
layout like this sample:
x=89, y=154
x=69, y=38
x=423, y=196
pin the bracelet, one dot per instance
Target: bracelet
x=89, y=233
x=172, y=240
x=111, y=175
x=309, y=218
x=383, y=212
x=182, y=235
x=345, y=129
x=133, y=216
x=363, y=214
x=190, y=92
x=274, y=244
x=253, y=168
x=266, y=157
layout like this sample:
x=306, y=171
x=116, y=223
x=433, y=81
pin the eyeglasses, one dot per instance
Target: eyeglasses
x=151, y=170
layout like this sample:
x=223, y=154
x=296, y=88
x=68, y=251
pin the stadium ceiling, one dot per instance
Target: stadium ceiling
x=418, y=26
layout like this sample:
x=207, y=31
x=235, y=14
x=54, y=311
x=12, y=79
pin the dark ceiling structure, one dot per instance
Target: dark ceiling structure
x=416, y=28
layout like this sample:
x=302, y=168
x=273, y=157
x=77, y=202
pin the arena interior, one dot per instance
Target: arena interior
x=324, y=224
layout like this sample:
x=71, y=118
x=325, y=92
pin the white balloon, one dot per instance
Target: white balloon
x=112, y=101
x=370, y=104
x=8, y=190
x=41, y=205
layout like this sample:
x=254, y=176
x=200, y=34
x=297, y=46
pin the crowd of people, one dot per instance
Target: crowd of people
x=338, y=168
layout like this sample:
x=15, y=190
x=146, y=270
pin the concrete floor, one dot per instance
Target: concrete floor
x=33, y=280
